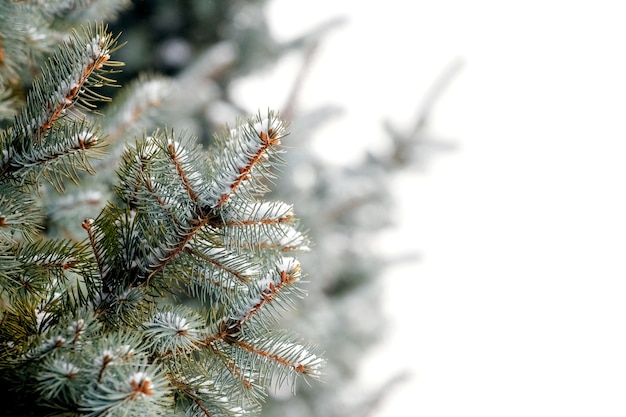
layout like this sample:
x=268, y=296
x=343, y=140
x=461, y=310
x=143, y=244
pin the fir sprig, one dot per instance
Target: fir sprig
x=50, y=127
x=96, y=327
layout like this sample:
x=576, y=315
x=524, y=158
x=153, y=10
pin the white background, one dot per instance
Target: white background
x=517, y=306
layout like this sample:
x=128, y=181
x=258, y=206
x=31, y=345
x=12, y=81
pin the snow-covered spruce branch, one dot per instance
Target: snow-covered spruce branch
x=171, y=188
x=220, y=357
x=164, y=232
x=175, y=333
x=66, y=81
x=168, y=306
x=50, y=134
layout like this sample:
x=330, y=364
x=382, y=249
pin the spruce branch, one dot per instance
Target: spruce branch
x=170, y=219
x=246, y=152
x=59, y=160
x=50, y=127
x=195, y=194
x=96, y=326
x=63, y=84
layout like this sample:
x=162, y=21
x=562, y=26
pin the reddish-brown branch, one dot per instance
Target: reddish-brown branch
x=181, y=172
x=232, y=366
x=201, y=407
x=156, y=195
x=227, y=332
x=180, y=246
x=268, y=139
x=77, y=333
x=106, y=359
x=269, y=294
x=82, y=145
x=72, y=95
x=87, y=225
x=265, y=354
x=64, y=264
x=283, y=219
x=190, y=392
x=207, y=277
x=148, y=185
x=220, y=265
x=298, y=367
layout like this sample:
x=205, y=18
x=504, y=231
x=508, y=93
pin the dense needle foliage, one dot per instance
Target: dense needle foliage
x=166, y=301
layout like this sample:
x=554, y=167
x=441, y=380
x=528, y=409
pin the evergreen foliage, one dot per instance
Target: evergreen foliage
x=93, y=318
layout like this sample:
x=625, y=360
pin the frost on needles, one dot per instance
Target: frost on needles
x=170, y=304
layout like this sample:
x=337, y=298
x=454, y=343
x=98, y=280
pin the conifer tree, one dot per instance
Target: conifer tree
x=92, y=318
x=201, y=48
